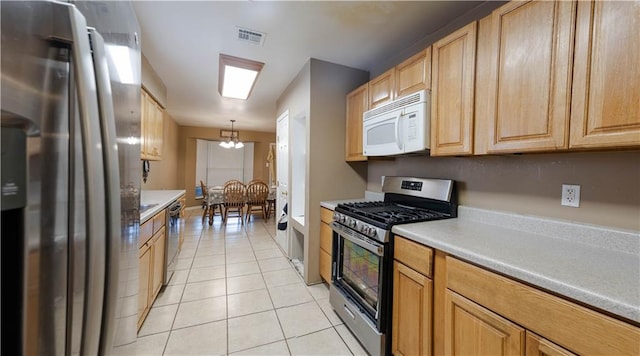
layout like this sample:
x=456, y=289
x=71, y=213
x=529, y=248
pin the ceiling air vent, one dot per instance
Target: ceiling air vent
x=251, y=36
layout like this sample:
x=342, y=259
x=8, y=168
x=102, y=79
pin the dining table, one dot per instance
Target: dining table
x=215, y=197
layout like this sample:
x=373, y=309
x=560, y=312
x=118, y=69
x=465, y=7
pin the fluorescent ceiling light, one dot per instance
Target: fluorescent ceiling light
x=237, y=76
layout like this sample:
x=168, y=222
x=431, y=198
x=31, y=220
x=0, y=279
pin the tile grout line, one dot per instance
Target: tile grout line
x=181, y=296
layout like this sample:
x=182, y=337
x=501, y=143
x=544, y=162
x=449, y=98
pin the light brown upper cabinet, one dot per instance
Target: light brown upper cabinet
x=357, y=104
x=605, y=110
x=452, y=93
x=414, y=73
x=527, y=107
x=151, y=128
x=382, y=88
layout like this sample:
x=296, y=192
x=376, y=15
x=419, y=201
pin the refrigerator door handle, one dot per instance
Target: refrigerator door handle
x=94, y=182
x=112, y=187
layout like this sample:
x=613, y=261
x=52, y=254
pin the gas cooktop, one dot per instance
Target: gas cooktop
x=406, y=200
x=388, y=213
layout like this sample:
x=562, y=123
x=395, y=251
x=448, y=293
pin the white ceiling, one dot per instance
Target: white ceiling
x=182, y=41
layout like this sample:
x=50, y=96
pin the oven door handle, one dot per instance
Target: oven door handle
x=377, y=249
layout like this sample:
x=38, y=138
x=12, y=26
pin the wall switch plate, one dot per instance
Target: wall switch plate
x=571, y=195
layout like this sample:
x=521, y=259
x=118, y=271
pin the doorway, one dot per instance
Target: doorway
x=282, y=176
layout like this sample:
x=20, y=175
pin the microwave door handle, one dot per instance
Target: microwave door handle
x=398, y=142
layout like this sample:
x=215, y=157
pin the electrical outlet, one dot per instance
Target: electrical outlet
x=571, y=195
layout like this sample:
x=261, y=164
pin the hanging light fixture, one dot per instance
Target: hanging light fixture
x=233, y=141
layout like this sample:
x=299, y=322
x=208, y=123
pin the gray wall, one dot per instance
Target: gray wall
x=320, y=90
x=531, y=183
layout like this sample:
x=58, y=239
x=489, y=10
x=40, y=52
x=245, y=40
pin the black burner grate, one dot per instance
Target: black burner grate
x=388, y=214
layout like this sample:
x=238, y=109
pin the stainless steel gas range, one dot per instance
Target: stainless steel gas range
x=362, y=268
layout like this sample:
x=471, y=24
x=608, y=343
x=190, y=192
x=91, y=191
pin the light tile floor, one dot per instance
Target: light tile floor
x=235, y=293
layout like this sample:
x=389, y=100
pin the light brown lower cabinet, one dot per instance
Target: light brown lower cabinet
x=412, y=317
x=326, y=243
x=470, y=329
x=150, y=263
x=539, y=346
x=453, y=307
x=144, y=272
x=158, y=245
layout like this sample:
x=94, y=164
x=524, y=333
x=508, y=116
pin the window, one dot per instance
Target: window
x=216, y=165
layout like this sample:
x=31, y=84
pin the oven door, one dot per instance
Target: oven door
x=358, y=270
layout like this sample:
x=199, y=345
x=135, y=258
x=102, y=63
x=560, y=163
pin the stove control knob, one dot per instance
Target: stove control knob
x=372, y=232
x=336, y=216
x=352, y=223
x=363, y=229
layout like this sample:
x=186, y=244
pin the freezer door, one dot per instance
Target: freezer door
x=49, y=92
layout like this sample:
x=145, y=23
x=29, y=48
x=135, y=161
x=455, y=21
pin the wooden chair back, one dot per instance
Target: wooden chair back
x=232, y=181
x=257, y=193
x=204, y=190
x=234, y=194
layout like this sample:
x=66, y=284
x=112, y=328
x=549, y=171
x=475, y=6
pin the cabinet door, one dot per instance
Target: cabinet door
x=325, y=266
x=414, y=74
x=157, y=250
x=144, y=126
x=326, y=237
x=157, y=131
x=144, y=269
x=412, y=313
x=605, y=109
x=357, y=104
x=530, y=85
x=470, y=329
x=539, y=346
x=381, y=89
x=326, y=247
x=452, y=95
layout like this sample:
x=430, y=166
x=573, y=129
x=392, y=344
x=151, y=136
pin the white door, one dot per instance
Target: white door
x=282, y=176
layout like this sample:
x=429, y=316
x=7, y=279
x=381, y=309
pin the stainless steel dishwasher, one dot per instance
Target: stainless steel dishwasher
x=174, y=225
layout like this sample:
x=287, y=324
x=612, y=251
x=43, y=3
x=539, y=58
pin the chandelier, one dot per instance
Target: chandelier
x=233, y=141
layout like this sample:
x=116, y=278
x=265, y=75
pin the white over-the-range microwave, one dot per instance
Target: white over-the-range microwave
x=400, y=126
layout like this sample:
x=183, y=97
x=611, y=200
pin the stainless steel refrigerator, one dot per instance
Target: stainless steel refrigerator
x=70, y=176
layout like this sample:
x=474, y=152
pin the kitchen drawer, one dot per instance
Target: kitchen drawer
x=159, y=221
x=414, y=255
x=326, y=238
x=146, y=231
x=326, y=215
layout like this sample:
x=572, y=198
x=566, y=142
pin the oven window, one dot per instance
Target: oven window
x=361, y=271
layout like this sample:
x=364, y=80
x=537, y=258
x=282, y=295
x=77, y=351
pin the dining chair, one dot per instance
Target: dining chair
x=216, y=200
x=231, y=182
x=234, y=198
x=257, y=193
x=206, y=206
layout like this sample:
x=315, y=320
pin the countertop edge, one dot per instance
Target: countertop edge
x=161, y=197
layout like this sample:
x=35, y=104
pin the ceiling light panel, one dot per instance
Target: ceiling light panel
x=237, y=76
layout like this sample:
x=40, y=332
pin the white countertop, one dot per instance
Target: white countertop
x=161, y=199
x=596, y=265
